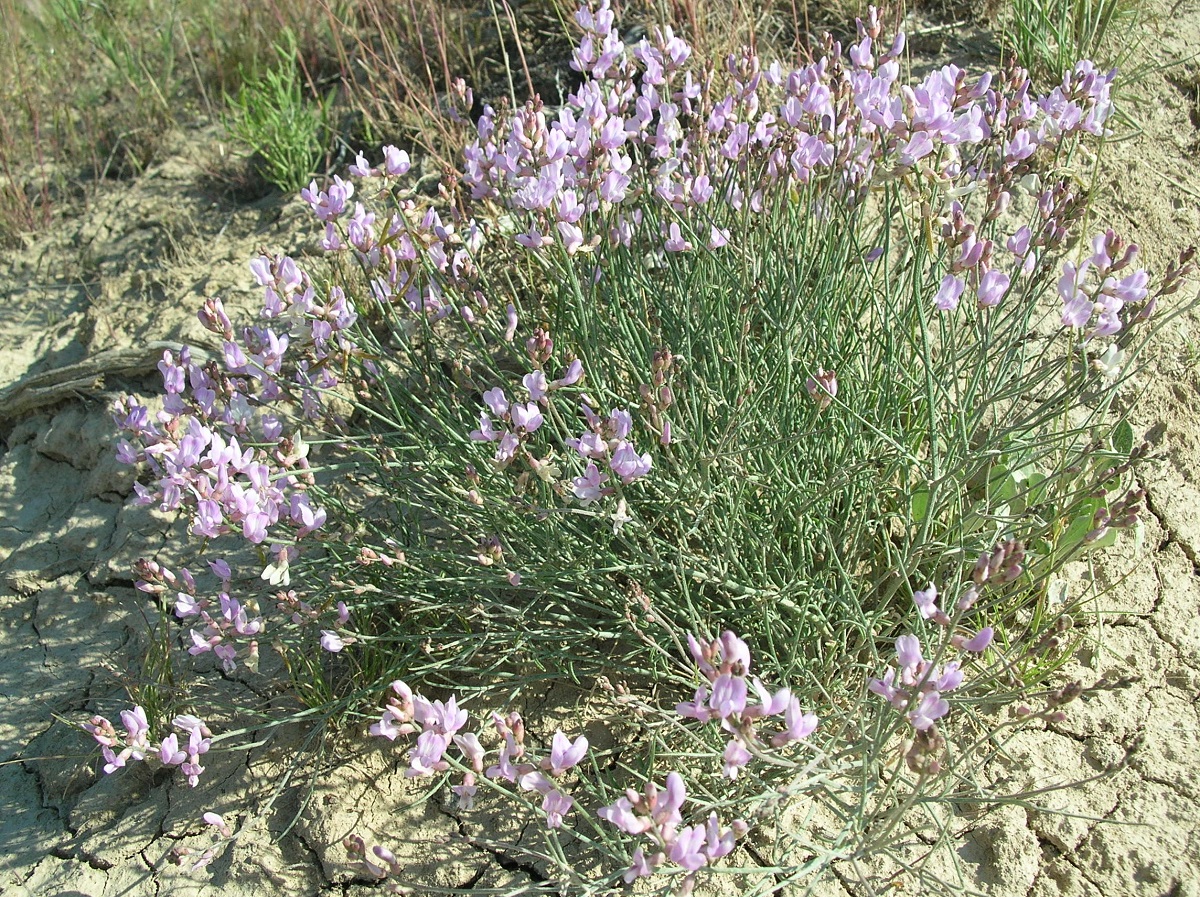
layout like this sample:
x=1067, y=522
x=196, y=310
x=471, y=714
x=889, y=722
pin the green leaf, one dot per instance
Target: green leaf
x=1081, y=524
x=1002, y=484
x=920, y=504
x=1035, y=489
x=1122, y=438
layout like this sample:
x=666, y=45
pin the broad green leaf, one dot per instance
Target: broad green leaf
x=1122, y=438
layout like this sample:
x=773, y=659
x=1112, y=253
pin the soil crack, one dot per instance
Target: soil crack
x=503, y=859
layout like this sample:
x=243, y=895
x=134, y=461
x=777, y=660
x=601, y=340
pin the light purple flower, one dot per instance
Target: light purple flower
x=627, y=464
x=565, y=754
x=1132, y=288
x=186, y=605
x=931, y=707
x=466, y=791
x=926, y=602
x=507, y=448
x=948, y=677
x=697, y=708
x=534, y=238
x=675, y=240
x=736, y=756
x=908, y=652
x=360, y=167
x=718, y=843
x=589, y=445
x=496, y=401
x=768, y=704
x=1077, y=311
x=1018, y=243
x=527, y=417
x=887, y=689
x=687, y=848
x=535, y=781
x=425, y=758
x=571, y=375
x=799, y=725
x=471, y=749
x=917, y=148
x=486, y=432
x=169, y=753
x=622, y=816
x=556, y=805
x=949, y=292
x=718, y=237
x=589, y=487
x=535, y=382
x=395, y=161
x=729, y=695
x=979, y=643
x=331, y=641
x=620, y=423
x=992, y=287
x=218, y=822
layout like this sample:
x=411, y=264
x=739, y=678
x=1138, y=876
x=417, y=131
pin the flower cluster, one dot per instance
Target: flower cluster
x=645, y=130
x=1123, y=514
x=916, y=685
x=518, y=420
x=226, y=628
x=657, y=155
x=725, y=662
x=822, y=388
x=438, y=724
x=523, y=419
x=195, y=860
x=651, y=812
x=1101, y=295
x=529, y=774
x=655, y=814
x=134, y=743
x=412, y=256
x=1105, y=300
x=606, y=440
x=218, y=446
x=693, y=149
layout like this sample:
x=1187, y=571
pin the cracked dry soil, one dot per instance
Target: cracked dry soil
x=81, y=303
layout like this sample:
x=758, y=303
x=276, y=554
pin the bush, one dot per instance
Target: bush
x=287, y=131
x=712, y=351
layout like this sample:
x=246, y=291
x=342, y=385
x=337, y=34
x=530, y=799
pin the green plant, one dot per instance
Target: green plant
x=1049, y=36
x=90, y=89
x=286, y=129
x=764, y=355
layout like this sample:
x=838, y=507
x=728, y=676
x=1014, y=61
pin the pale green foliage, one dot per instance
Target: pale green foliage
x=1050, y=36
x=272, y=115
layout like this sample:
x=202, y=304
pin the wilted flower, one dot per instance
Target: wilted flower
x=822, y=388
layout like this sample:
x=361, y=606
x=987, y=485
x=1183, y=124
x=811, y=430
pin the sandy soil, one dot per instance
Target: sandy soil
x=82, y=302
